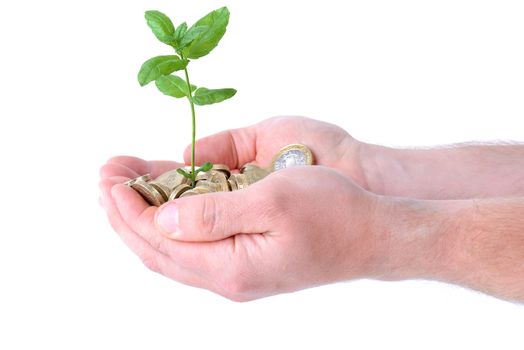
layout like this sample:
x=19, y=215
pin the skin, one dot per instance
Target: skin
x=349, y=217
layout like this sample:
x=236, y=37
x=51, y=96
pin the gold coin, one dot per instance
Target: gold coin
x=292, y=155
x=172, y=179
x=178, y=191
x=195, y=191
x=247, y=167
x=144, y=178
x=251, y=177
x=160, y=187
x=232, y=183
x=203, y=175
x=149, y=193
x=220, y=180
x=213, y=187
x=253, y=172
x=241, y=181
x=222, y=168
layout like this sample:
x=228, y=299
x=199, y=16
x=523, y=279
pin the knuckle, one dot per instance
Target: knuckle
x=106, y=170
x=207, y=222
x=273, y=203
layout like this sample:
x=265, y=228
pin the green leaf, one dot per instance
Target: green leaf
x=158, y=66
x=205, y=96
x=204, y=35
x=172, y=85
x=184, y=173
x=206, y=167
x=161, y=26
x=180, y=31
x=189, y=36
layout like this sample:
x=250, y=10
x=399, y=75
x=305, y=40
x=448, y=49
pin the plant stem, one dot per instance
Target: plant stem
x=193, y=137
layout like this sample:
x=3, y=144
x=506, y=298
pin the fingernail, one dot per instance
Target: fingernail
x=167, y=219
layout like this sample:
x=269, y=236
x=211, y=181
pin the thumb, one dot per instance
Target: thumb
x=233, y=148
x=213, y=216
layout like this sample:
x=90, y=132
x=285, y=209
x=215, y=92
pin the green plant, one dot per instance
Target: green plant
x=189, y=43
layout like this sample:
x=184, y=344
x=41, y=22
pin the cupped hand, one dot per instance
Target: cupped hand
x=297, y=228
x=331, y=145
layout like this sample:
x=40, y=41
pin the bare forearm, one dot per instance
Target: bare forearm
x=455, y=172
x=477, y=243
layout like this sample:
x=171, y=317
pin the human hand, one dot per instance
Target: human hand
x=278, y=235
x=331, y=145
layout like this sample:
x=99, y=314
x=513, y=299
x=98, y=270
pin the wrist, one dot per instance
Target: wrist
x=376, y=165
x=359, y=161
x=415, y=238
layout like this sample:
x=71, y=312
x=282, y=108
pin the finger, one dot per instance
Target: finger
x=140, y=166
x=198, y=257
x=153, y=259
x=214, y=216
x=136, y=244
x=233, y=148
x=115, y=169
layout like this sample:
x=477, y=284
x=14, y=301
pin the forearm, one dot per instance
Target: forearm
x=455, y=172
x=474, y=243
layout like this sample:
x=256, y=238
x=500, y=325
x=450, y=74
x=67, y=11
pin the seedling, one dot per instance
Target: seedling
x=192, y=43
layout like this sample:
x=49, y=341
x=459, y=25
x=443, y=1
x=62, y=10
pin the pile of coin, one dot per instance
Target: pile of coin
x=172, y=184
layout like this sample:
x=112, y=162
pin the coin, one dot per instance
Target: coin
x=171, y=184
x=171, y=179
x=178, y=191
x=241, y=180
x=160, y=187
x=213, y=187
x=292, y=155
x=203, y=175
x=144, y=178
x=248, y=167
x=149, y=193
x=220, y=180
x=253, y=172
x=232, y=184
x=195, y=191
x=222, y=168
x=251, y=177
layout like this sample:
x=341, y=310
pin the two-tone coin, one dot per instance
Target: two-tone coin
x=292, y=155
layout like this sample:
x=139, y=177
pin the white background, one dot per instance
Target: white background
x=401, y=73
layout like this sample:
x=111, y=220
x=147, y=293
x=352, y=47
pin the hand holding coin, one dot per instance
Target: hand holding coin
x=172, y=185
x=258, y=144
x=236, y=243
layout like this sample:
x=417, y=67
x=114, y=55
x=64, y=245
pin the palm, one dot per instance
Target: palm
x=222, y=264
